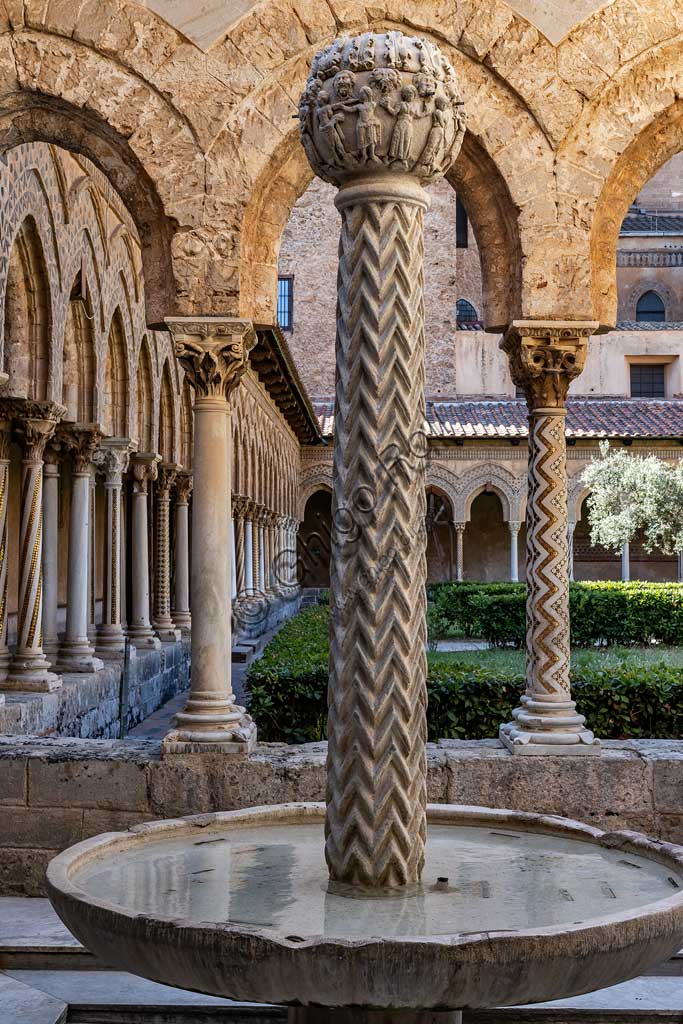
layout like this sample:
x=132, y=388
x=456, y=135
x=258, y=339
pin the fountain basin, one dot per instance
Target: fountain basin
x=513, y=908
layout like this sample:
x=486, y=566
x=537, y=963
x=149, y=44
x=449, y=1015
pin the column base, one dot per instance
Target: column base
x=207, y=727
x=544, y=726
x=31, y=673
x=167, y=633
x=353, y=1015
x=183, y=622
x=78, y=656
x=5, y=662
x=111, y=643
x=144, y=638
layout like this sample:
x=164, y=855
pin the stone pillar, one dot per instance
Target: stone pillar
x=262, y=528
x=238, y=507
x=181, y=612
x=112, y=459
x=544, y=358
x=76, y=653
x=248, y=551
x=459, y=552
x=5, y=440
x=680, y=566
x=51, y=549
x=163, y=623
x=571, y=526
x=379, y=136
x=213, y=352
x=140, y=632
x=30, y=670
x=514, y=528
x=625, y=563
x=233, y=562
x=92, y=548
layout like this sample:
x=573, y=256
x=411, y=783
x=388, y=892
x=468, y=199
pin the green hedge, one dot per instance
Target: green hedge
x=288, y=693
x=600, y=613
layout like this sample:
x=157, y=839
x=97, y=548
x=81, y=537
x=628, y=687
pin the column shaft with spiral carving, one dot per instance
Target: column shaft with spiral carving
x=380, y=118
x=544, y=359
x=181, y=612
x=163, y=623
x=377, y=727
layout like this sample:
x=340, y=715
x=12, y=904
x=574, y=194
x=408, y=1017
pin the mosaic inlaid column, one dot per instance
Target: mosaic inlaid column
x=163, y=623
x=256, y=510
x=112, y=460
x=544, y=359
x=181, y=611
x=5, y=440
x=76, y=653
x=380, y=118
x=144, y=471
x=238, y=508
x=213, y=353
x=248, y=549
x=514, y=528
x=30, y=669
x=459, y=529
x=51, y=549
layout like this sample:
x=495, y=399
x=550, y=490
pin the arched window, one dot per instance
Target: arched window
x=650, y=308
x=465, y=313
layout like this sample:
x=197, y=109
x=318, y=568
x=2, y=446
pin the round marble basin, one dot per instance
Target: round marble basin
x=513, y=908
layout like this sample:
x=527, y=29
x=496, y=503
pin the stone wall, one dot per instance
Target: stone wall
x=88, y=705
x=56, y=792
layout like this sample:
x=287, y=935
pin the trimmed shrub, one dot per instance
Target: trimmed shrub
x=288, y=693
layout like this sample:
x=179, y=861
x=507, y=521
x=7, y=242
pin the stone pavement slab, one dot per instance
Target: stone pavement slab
x=23, y=1004
x=32, y=923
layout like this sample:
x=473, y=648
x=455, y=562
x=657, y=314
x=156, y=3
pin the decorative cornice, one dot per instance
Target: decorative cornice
x=545, y=357
x=212, y=351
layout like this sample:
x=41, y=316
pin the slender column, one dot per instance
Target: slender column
x=256, y=548
x=459, y=551
x=514, y=528
x=680, y=566
x=112, y=459
x=238, y=507
x=51, y=549
x=213, y=352
x=163, y=623
x=124, y=550
x=571, y=526
x=377, y=727
x=181, y=612
x=233, y=564
x=92, y=547
x=544, y=359
x=625, y=563
x=140, y=632
x=76, y=653
x=5, y=439
x=248, y=552
x=30, y=670
x=262, y=579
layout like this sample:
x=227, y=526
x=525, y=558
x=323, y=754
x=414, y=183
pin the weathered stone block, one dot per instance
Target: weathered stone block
x=14, y=773
x=99, y=784
x=22, y=871
x=40, y=828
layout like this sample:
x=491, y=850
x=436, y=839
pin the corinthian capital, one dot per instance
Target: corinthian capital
x=35, y=423
x=212, y=351
x=112, y=457
x=82, y=440
x=545, y=357
x=144, y=468
x=168, y=471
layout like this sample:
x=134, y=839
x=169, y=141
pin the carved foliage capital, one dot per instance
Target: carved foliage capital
x=166, y=477
x=143, y=470
x=112, y=461
x=82, y=442
x=545, y=358
x=213, y=352
x=5, y=439
x=183, y=484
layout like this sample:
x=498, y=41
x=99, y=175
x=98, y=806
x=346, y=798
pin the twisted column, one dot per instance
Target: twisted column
x=213, y=352
x=544, y=359
x=238, y=507
x=144, y=470
x=112, y=460
x=30, y=670
x=163, y=623
x=249, y=548
x=5, y=439
x=181, y=611
x=75, y=652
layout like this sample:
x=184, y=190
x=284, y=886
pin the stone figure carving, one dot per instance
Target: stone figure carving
x=378, y=119
x=385, y=100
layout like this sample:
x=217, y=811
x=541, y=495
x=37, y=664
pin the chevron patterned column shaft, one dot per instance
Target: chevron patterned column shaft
x=376, y=795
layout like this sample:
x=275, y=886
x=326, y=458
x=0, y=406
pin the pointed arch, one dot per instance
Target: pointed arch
x=145, y=396
x=115, y=418
x=28, y=316
x=79, y=370
x=166, y=446
x=186, y=425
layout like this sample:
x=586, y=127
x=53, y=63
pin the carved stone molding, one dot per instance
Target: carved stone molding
x=166, y=478
x=183, y=486
x=112, y=458
x=82, y=440
x=213, y=352
x=545, y=357
x=5, y=439
x=144, y=467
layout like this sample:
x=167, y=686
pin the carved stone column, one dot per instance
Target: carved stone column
x=249, y=548
x=92, y=549
x=459, y=551
x=144, y=470
x=544, y=359
x=30, y=670
x=625, y=562
x=213, y=352
x=51, y=549
x=514, y=528
x=112, y=460
x=181, y=611
x=239, y=503
x=163, y=623
x=262, y=561
x=76, y=653
x=571, y=526
x=256, y=540
x=380, y=118
x=233, y=560
x=5, y=440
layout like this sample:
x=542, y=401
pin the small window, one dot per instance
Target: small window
x=461, y=224
x=285, y=302
x=466, y=313
x=647, y=380
x=650, y=308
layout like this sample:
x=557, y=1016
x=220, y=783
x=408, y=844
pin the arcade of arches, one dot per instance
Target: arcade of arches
x=152, y=190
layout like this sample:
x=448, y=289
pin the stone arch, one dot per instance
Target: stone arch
x=145, y=399
x=115, y=418
x=166, y=417
x=577, y=493
x=492, y=477
x=79, y=357
x=444, y=481
x=186, y=425
x=648, y=283
x=28, y=316
x=316, y=479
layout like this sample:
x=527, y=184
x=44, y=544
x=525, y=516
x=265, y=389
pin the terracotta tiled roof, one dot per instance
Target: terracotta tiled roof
x=507, y=418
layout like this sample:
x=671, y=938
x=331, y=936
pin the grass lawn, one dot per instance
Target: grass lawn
x=500, y=660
